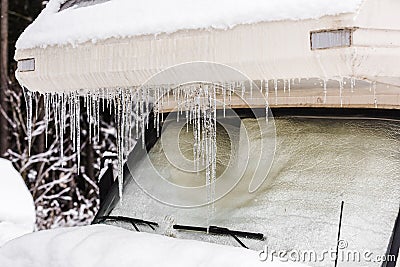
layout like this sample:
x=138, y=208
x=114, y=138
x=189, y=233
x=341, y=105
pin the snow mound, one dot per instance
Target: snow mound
x=17, y=210
x=125, y=18
x=104, y=245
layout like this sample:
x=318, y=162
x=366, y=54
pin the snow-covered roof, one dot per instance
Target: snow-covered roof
x=126, y=18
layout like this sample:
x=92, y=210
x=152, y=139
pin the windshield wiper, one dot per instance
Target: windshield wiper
x=221, y=231
x=133, y=221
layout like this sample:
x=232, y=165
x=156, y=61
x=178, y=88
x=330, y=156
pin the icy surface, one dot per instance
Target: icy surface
x=17, y=210
x=123, y=18
x=90, y=246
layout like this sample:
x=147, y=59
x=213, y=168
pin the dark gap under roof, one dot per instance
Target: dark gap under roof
x=80, y=3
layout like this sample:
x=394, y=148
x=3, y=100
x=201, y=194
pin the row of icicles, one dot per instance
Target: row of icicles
x=132, y=106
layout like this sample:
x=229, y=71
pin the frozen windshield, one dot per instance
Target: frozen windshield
x=318, y=164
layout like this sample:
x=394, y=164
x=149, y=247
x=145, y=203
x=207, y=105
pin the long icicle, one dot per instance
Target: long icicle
x=28, y=101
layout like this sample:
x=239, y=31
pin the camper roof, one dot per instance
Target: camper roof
x=63, y=22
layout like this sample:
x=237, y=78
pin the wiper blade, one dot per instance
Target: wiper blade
x=222, y=231
x=133, y=221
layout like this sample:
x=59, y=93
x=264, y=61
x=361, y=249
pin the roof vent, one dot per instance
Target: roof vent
x=26, y=65
x=331, y=39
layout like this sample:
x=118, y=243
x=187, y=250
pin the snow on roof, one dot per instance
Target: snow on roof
x=90, y=246
x=125, y=18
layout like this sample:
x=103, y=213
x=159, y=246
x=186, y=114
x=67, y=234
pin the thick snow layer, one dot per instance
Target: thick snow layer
x=10, y=231
x=17, y=210
x=102, y=245
x=123, y=18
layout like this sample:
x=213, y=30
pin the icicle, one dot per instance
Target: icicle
x=375, y=100
x=90, y=116
x=78, y=131
x=120, y=140
x=46, y=115
x=97, y=116
x=62, y=125
x=266, y=108
x=352, y=83
x=70, y=112
x=72, y=120
x=276, y=91
x=325, y=91
x=224, y=97
x=56, y=114
x=284, y=86
x=251, y=89
x=158, y=111
x=341, y=85
x=148, y=107
x=230, y=94
x=243, y=88
x=103, y=97
x=109, y=99
x=143, y=119
x=28, y=101
x=94, y=115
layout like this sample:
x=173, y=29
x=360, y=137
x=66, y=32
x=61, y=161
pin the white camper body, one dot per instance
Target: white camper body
x=356, y=53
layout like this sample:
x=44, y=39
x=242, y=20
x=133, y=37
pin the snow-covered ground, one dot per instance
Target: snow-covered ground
x=103, y=245
x=124, y=18
x=17, y=210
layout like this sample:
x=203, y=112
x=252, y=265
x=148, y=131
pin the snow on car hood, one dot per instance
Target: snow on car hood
x=104, y=245
x=124, y=18
x=17, y=210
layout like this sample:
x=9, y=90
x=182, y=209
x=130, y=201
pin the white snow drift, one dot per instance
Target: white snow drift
x=17, y=210
x=102, y=245
x=126, y=18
